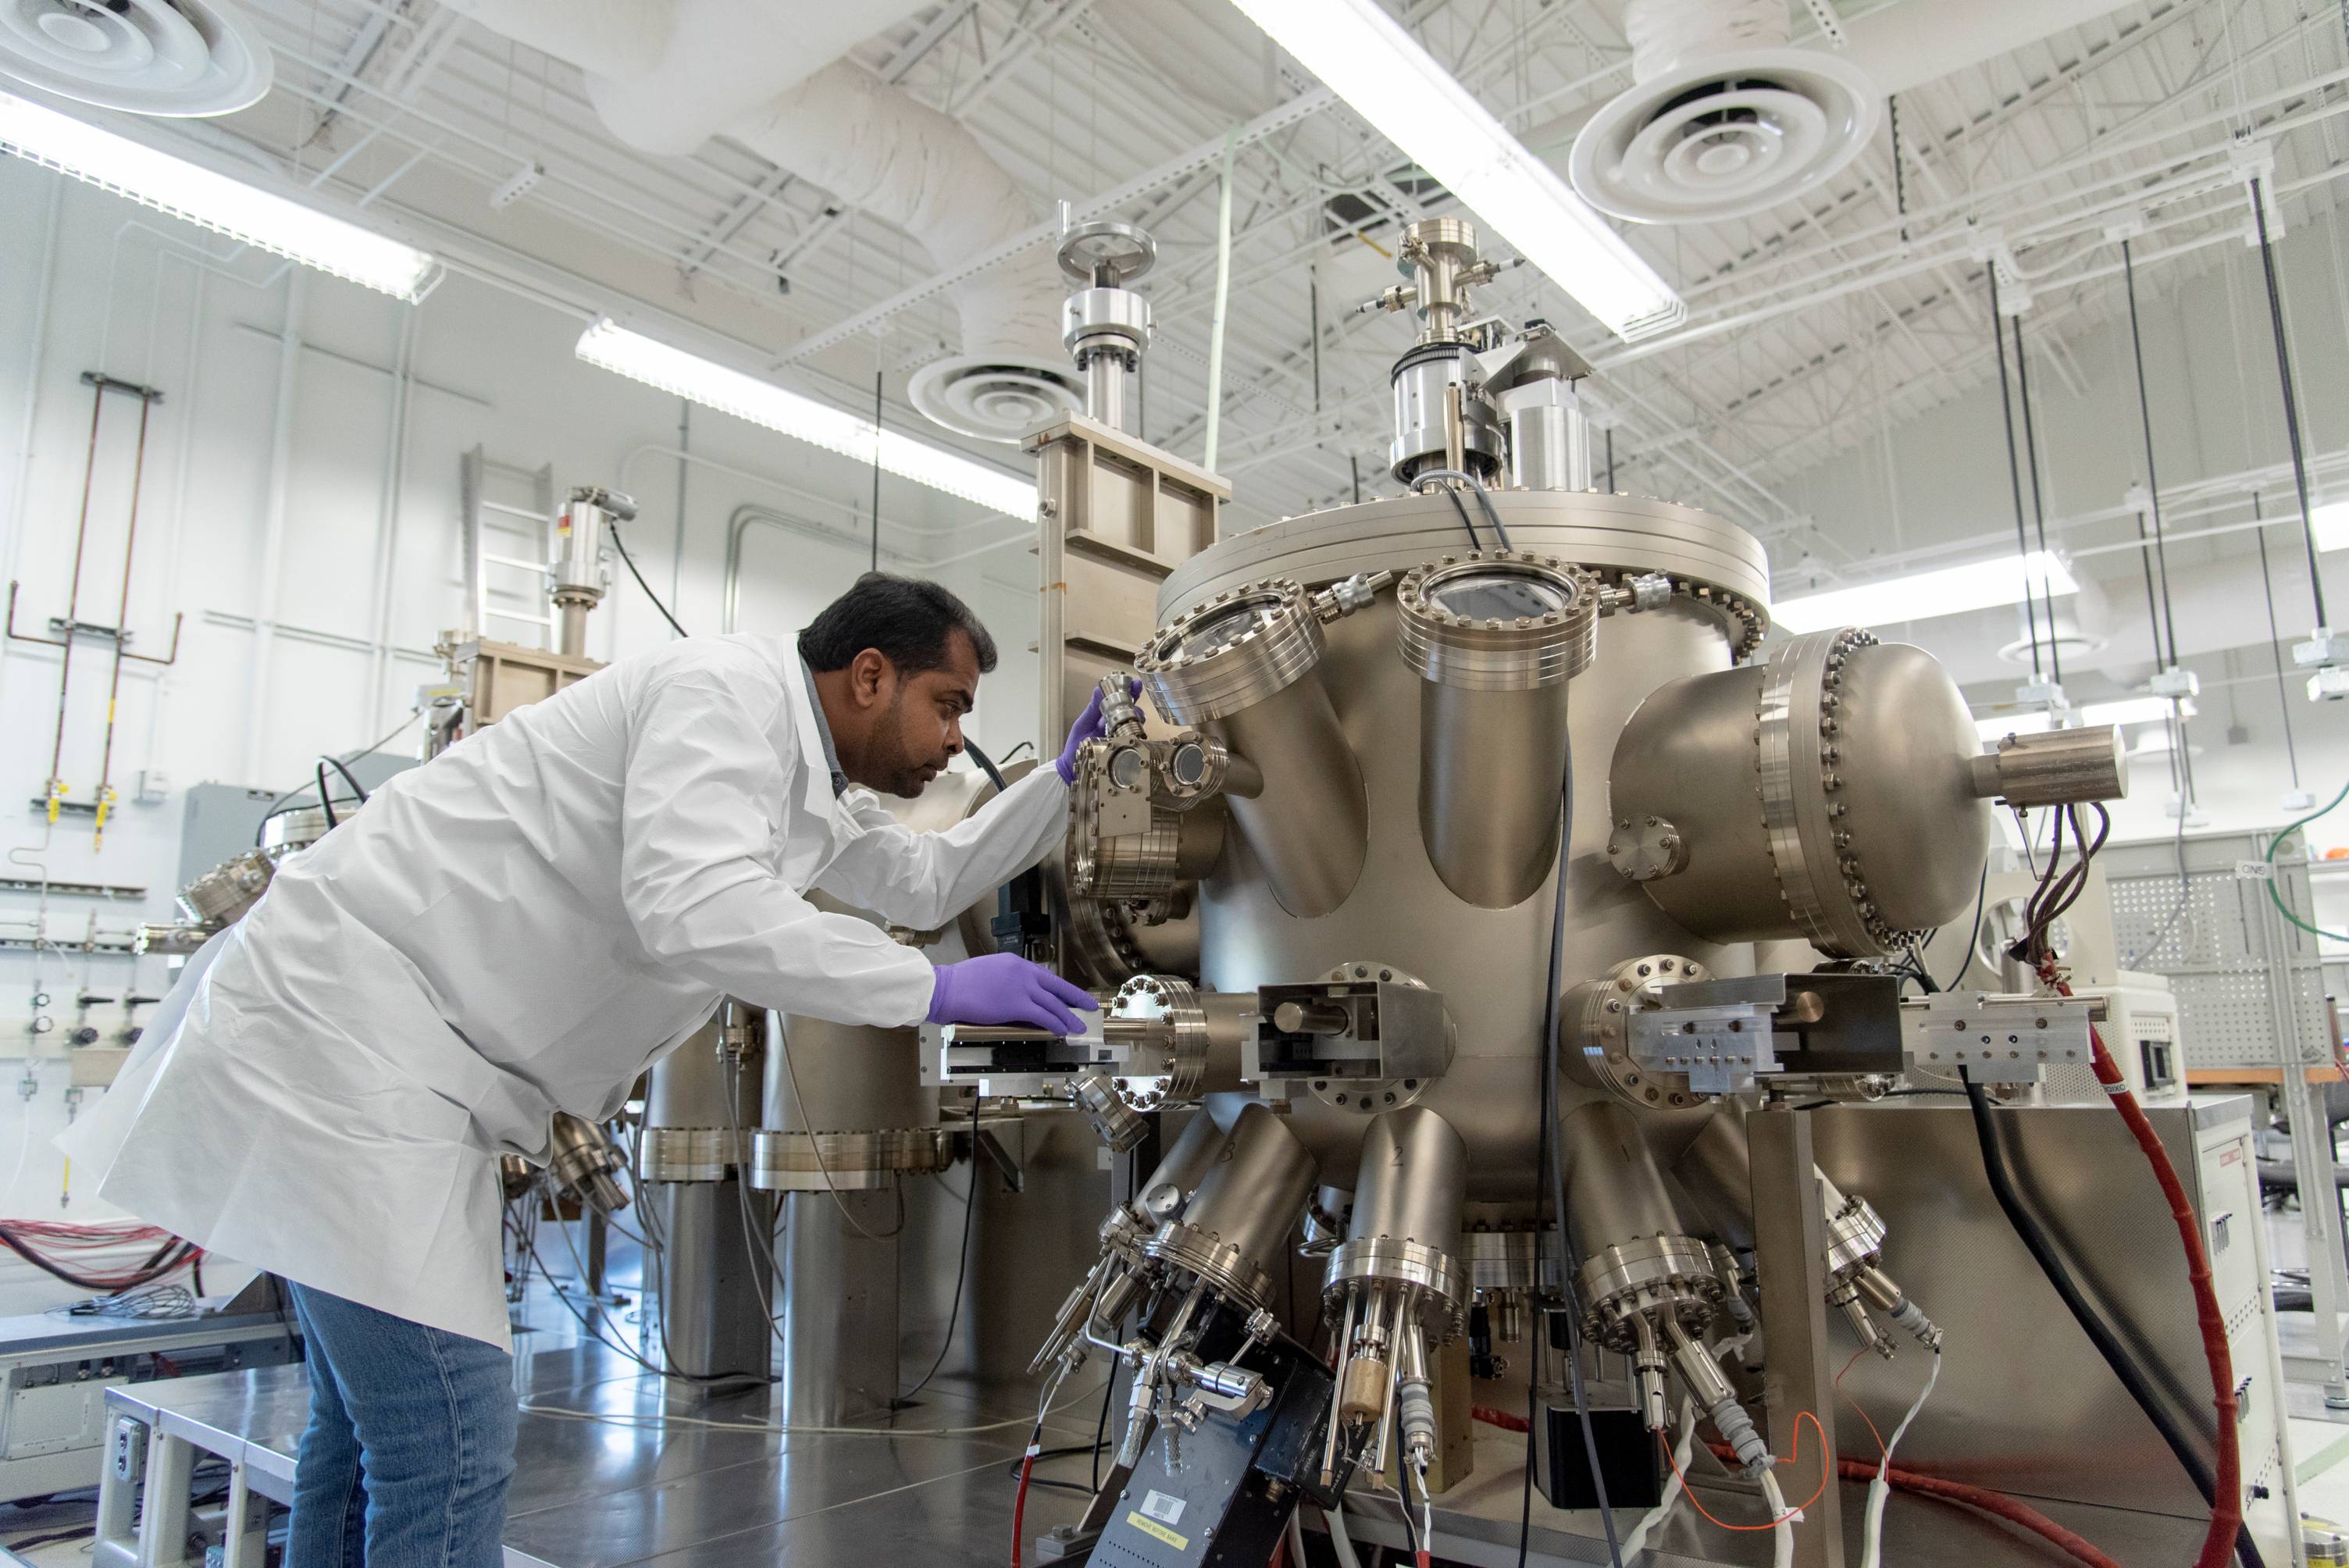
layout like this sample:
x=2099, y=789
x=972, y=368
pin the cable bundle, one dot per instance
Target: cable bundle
x=40, y=1242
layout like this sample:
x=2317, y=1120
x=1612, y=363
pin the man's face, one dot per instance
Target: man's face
x=919, y=725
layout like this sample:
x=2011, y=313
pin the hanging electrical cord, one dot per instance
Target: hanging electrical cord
x=2014, y=472
x=278, y=807
x=2291, y=398
x=2038, y=503
x=1879, y=1491
x=621, y=545
x=2152, y=484
x=2276, y=898
x=962, y=1268
x=2275, y=638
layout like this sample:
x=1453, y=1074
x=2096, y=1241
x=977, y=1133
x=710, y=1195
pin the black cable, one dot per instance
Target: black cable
x=1465, y=520
x=165, y=1260
x=1100, y=1422
x=1552, y=1161
x=2038, y=503
x=2290, y=399
x=278, y=806
x=621, y=545
x=2015, y=469
x=1493, y=516
x=1973, y=936
x=2275, y=642
x=1023, y=746
x=2152, y=486
x=349, y=777
x=2107, y=1342
x=962, y=1268
x=986, y=765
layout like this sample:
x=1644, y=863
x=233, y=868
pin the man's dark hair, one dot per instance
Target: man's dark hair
x=910, y=621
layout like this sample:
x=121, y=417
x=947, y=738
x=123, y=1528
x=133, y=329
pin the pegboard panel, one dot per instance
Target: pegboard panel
x=2222, y=947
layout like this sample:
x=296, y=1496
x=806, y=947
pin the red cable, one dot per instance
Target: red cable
x=1795, y=1511
x=2227, y=1508
x=1020, y=1503
x=1501, y=1418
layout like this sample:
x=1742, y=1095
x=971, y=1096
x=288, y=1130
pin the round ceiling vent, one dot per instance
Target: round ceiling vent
x=1723, y=135
x=145, y=56
x=993, y=399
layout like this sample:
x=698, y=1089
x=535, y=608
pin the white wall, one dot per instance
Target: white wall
x=1941, y=481
x=126, y=295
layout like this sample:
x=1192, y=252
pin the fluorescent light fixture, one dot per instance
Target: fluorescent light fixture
x=1366, y=58
x=713, y=386
x=2127, y=710
x=1951, y=591
x=2330, y=522
x=211, y=200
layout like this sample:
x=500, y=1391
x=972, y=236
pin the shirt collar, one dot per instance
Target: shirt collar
x=824, y=732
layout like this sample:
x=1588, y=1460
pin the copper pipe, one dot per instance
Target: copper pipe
x=73, y=596
x=105, y=796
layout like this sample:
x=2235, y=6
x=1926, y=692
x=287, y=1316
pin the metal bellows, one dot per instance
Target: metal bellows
x=1244, y=668
x=1494, y=638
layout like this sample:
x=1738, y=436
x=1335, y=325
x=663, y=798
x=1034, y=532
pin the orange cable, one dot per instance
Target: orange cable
x=1826, y=1473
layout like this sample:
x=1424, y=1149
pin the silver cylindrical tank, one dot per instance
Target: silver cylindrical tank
x=1494, y=638
x=1614, y=1193
x=717, y=1293
x=1490, y=964
x=1549, y=436
x=1163, y=1193
x=1411, y=1182
x=1244, y=668
x=1235, y=1227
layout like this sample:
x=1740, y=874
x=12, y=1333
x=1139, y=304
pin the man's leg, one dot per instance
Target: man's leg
x=434, y=1412
x=329, y=1525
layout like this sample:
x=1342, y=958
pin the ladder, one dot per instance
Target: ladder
x=507, y=515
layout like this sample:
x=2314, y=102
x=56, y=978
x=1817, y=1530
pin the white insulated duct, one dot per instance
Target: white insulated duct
x=1907, y=45
x=665, y=76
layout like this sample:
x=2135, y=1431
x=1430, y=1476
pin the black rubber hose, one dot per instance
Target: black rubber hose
x=2100, y=1333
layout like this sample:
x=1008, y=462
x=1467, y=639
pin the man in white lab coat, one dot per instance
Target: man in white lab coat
x=522, y=926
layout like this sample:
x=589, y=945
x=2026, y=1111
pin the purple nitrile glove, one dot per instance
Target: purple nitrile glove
x=1087, y=727
x=1005, y=988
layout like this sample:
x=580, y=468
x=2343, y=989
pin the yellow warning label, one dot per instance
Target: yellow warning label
x=1151, y=1527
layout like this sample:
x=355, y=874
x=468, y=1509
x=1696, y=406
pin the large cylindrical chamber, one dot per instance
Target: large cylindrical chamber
x=716, y=1290
x=1244, y=669
x=1494, y=638
x=839, y=1321
x=1614, y=1193
x=1490, y=964
x=1235, y=1227
x=1827, y=795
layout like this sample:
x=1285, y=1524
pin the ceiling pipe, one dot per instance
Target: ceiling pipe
x=665, y=75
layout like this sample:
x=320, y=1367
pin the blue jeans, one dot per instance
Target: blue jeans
x=409, y=1447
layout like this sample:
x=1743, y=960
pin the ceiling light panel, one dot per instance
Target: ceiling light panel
x=1949, y=591
x=714, y=385
x=1366, y=58
x=211, y=199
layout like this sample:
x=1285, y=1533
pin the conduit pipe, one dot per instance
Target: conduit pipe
x=272, y=526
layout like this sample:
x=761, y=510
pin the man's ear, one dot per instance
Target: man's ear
x=868, y=675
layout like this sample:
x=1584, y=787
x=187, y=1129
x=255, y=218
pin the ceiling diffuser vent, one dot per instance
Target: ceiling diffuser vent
x=181, y=57
x=1726, y=119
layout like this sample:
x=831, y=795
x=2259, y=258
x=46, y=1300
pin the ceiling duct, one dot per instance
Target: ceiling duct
x=180, y=58
x=1725, y=117
x=665, y=76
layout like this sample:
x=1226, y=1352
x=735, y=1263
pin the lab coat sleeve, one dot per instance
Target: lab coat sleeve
x=700, y=807
x=924, y=880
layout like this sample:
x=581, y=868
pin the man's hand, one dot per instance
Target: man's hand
x=1005, y=988
x=1087, y=727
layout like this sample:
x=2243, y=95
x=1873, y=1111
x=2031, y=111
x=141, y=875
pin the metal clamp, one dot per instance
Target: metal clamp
x=1998, y=1039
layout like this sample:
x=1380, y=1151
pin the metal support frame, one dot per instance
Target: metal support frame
x=1789, y=1250
x=2313, y=1161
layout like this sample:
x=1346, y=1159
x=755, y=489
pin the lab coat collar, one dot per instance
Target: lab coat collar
x=825, y=782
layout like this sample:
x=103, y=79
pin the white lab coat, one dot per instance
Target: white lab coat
x=520, y=927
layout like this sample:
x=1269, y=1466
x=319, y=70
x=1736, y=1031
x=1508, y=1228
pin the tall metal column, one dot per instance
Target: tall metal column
x=1789, y=1249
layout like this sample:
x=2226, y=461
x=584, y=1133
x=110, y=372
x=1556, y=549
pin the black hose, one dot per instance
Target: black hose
x=2117, y=1355
x=986, y=764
